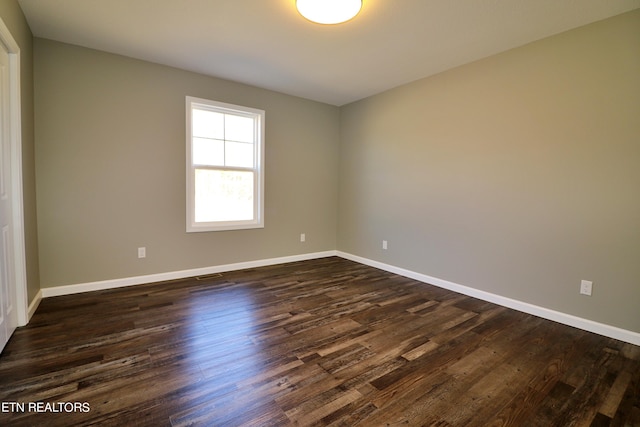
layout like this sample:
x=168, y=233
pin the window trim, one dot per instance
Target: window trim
x=258, y=169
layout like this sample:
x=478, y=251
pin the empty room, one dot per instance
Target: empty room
x=320, y=213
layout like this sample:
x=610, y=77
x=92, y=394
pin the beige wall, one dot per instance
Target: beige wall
x=13, y=18
x=110, y=156
x=518, y=175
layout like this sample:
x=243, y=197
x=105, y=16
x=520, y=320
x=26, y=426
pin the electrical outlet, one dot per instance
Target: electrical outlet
x=384, y=245
x=303, y=237
x=142, y=252
x=586, y=287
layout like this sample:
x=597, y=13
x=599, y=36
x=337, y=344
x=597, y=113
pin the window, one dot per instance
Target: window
x=225, y=166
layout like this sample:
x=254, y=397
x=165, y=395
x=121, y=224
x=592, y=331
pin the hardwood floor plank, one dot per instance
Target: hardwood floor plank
x=614, y=397
x=325, y=342
x=628, y=412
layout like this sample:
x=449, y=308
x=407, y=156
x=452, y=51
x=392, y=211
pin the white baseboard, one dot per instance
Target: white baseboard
x=173, y=275
x=34, y=305
x=567, y=319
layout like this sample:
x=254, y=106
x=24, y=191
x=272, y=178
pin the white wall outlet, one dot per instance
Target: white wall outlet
x=384, y=245
x=303, y=237
x=586, y=287
x=142, y=252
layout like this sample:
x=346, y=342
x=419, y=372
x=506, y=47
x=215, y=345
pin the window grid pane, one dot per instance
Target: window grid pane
x=208, y=152
x=207, y=124
x=239, y=154
x=238, y=128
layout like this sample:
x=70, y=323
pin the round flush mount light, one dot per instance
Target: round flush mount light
x=328, y=11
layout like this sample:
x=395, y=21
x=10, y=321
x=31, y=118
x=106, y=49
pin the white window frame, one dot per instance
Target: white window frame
x=258, y=169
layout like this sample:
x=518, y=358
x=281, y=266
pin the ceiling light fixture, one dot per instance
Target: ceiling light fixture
x=329, y=11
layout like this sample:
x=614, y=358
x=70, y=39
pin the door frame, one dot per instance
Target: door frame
x=15, y=184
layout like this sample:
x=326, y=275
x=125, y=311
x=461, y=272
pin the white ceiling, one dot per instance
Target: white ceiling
x=266, y=43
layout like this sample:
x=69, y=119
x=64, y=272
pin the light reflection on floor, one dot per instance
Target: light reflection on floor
x=227, y=352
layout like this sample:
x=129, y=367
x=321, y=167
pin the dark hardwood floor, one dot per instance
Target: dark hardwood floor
x=321, y=342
